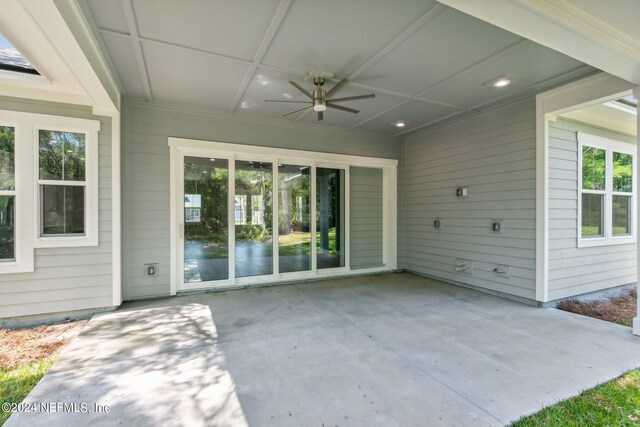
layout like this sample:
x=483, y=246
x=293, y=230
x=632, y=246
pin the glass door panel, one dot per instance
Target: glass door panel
x=294, y=206
x=253, y=218
x=206, y=225
x=330, y=241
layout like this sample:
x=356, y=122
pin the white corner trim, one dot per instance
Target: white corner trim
x=175, y=225
x=542, y=201
x=116, y=209
x=636, y=320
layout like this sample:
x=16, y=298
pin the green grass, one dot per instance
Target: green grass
x=593, y=231
x=17, y=382
x=294, y=243
x=614, y=403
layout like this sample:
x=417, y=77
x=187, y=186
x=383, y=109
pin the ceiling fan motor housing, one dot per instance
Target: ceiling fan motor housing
x=319, y=99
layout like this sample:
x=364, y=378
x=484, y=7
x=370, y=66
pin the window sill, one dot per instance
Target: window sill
x=65, y=242
x=15, y=267
x=603, y=241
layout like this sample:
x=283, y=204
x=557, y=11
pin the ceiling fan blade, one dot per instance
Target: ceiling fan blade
x=301, y=89
x=353, y=98
x=285, y=100
x=299, y=109
x=340, y=107
x=320, y=115
x=337, y=87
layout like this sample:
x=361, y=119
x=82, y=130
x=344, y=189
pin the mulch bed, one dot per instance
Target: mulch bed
x=618, y=309
x=26, y=345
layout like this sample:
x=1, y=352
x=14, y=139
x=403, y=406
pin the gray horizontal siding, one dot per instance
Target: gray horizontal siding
x=366, y=217
x=573, y=270
x=494, y=154
x=146, y=173
x=66, y=279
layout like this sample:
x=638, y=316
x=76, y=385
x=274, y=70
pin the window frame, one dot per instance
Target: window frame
x=610, y=146
x=23, y=238
x=90, y=129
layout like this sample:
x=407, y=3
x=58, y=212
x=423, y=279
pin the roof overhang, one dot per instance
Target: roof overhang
x=566, y=26
x=55, y=38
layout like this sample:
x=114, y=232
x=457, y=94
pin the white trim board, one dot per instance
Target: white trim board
x=180, y=147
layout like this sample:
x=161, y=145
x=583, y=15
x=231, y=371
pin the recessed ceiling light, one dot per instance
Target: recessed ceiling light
x=400, y=123
x=500, y=81
x=212, y=160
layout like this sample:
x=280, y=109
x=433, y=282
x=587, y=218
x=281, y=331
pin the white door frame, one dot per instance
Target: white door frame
x=180, y=147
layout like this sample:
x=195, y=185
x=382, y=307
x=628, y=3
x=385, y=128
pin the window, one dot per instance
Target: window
x=606, y=191
x=7, y=194
x=52, y=201
x=61, y=182
x=67, y=182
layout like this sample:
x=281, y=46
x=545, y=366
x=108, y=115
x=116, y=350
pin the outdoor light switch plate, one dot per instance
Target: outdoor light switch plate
x=462, y=192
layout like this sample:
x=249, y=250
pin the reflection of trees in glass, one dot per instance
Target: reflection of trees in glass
x=593, y=168
x=622, y=172
x=7, y=158
x=295, y=194
x=256, y=185
x=212, y=184
x=62, y=155
x=7, y=221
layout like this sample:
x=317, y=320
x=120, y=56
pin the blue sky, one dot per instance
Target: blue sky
x=4, y=43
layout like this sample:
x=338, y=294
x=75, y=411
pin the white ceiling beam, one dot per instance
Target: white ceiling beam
x=393, y=107
x=130, y=18
x=420, y=95
x=184, y=48
x=525, y=92
x=559, y=29
x=267, y=39
x=404, y=35
x=399, y=39
x=472, y=67
x=103, y=48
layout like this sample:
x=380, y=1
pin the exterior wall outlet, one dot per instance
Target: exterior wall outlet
x=151, y=270
x=496, y=226
x=502, y=270
x=436, y=223
x=462, y=192
x=464, y=266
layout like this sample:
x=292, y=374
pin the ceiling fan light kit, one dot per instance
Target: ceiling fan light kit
x=321, y=99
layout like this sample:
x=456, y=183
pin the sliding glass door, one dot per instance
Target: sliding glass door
x=294, y=216
x=206, y=225
x=248, y=219
x=213, y=225
x=253, y=215
x=330, y=213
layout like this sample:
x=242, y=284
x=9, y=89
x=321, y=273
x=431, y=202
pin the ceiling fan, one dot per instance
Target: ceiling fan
x=321, y=99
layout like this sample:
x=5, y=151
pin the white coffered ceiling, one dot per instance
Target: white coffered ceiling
x=425, y=62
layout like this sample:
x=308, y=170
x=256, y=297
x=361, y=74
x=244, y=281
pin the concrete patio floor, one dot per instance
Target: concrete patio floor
x=391, y=350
